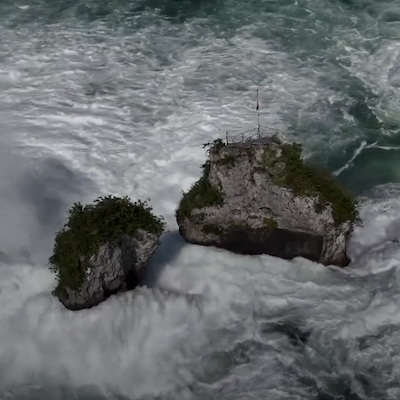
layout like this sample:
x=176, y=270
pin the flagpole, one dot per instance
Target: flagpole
x=258, y=116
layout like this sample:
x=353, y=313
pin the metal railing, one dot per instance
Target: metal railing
x=249, y=135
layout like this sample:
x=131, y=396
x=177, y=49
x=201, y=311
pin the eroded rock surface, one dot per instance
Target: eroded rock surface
x=114, y=268
x=260, y=197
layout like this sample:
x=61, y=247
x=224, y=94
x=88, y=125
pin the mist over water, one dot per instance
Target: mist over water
x=118, y=97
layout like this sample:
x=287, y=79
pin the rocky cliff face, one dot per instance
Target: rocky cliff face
x=260, y=197
x=113, y=268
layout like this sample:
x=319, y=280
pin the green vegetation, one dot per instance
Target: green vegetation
x=89, y=226
x=201, y=194
x=270, y=223
x=217, y=145
x=214, y=146
x=289, y=169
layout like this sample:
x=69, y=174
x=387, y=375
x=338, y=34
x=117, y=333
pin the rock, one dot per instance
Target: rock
x=260, y=197
x=114, y=268
x=103, y=249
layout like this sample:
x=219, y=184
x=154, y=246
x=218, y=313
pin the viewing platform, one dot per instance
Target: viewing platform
x=251, y=137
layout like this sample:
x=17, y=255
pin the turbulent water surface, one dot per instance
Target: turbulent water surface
x=100, y=97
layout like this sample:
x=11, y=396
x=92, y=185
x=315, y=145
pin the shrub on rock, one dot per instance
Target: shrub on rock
x=102, y=249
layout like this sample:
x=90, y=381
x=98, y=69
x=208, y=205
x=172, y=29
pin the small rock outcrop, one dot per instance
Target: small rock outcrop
x=103, y=249
x=260, y=197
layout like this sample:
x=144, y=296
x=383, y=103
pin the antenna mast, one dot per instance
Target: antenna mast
x=258, y=117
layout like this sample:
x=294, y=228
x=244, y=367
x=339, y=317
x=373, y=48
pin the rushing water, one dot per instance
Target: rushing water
x=100, y=97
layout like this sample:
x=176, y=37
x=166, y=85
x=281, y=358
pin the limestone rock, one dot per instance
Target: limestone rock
x=114, y=268
x=103, y=249
x=259, y=197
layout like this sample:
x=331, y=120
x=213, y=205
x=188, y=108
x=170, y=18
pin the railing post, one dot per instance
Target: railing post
x=242, y=136
x=226, y=137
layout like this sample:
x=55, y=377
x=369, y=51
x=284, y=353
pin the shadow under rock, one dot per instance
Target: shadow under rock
x=171, y=244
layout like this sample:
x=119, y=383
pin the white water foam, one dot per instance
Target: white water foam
x=128, y=115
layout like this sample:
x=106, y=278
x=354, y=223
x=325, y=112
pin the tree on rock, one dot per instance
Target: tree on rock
x=103, y=249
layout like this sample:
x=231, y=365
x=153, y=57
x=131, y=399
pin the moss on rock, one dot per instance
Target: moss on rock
x=108, y=219
x=217, y=145
x=200, y=195
x=286, y=167
x=270, y=223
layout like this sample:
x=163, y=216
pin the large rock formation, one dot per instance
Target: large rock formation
x=259, y=196
x=103, y=249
